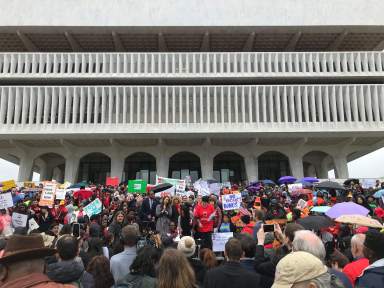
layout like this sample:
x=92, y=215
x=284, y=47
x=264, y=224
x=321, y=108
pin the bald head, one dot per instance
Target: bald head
x=357, y=245
x=308, y=241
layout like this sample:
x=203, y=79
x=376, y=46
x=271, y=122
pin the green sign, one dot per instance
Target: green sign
x=137, y=186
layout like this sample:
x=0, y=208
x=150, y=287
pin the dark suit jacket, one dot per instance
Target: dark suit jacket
x=231, y=274
x=146, y=210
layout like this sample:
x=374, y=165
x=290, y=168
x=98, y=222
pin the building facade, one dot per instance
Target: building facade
x=94, y=88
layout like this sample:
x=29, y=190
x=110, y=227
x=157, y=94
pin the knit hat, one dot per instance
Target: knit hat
x=187, y=245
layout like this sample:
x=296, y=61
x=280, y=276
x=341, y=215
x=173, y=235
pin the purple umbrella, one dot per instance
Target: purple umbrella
x=309, y=179
x=287, y=179
x=346, y=208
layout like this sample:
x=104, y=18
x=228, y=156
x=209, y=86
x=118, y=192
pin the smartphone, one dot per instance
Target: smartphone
x=269, y=228
x=76, y=230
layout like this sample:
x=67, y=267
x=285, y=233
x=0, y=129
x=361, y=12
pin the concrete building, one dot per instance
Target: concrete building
x=236, y=89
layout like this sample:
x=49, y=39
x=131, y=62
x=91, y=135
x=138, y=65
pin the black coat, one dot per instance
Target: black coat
x=146, y=210
x=231, y=274
x=372, y=278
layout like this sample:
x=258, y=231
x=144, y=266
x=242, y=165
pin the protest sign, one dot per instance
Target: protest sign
x=29, y=184
x=19, y=220
x=177, y=183
x=32, y=225
x=219, y=240
x=137, y=186
x=60, y=194
x=301, y=204
x=231, y=201
x=48, y=195
x=7, y=185
x=168, y=192
x=93, y=208
x=368, y=183
x=112, y=181
x=295, y=186
x=6, y=200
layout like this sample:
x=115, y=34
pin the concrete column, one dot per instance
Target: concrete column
x=43, y=172
x=322, y=170
x=162, y=165
x=71, y=169
x=251, y=168
x=296, y=164
x=57, y=174
x=117, y=166
x=341, y=166
x=206, y=167
x=25, y=169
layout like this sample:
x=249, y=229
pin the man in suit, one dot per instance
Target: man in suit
x=231, y=273
x=148, y=209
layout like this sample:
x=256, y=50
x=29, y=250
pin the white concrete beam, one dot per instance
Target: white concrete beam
x=291, y=46
x=76, y=47
x=119, y=47
x=28, y=44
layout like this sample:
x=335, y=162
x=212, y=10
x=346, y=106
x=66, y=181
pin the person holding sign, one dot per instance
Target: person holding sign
x=205, y=216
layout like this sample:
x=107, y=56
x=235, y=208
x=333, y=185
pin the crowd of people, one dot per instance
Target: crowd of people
x=140, y=240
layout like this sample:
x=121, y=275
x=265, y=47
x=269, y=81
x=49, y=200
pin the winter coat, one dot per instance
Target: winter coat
x=34, y=280
x=163, y=220
x=136, y=281
x=69, y=271
x=373, y=276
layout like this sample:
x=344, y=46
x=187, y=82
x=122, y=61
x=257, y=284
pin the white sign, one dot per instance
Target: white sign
x=6, y=200
x=177, y=183
x=301, y=204
x=168, y=192
x=219, y=240
x=368, y=183
x=93, y=208
x=60, y=194
x=231, y=201
x=294, y=187
x=19, y=220
x=48, y=195
x=32, y=225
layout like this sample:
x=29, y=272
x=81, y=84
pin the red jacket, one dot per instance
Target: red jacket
x=203, y=214
x=355, y=269
x=248, y=229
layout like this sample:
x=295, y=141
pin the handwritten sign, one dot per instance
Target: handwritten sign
x=93, y=208
x=6, y=200
x=32, y=225
x=231, y=201
x=48, y=195
x=29, y=184
x=19, y=220
x=112, y=181
x=219, y=240
x=60, y=194
x=137, y=186
x=7, y=185
x=294, y=187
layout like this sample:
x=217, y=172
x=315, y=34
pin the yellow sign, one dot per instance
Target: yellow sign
x=7, y=185
x=29, y=184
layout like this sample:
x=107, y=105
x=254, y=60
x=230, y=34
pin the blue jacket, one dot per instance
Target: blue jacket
x=373, y=276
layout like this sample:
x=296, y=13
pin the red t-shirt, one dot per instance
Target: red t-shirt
x=203, y=214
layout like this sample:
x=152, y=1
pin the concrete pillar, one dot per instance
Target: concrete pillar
x=25, y=169
x=43, y=171
x=117, y=166
x=341, y=166
x=57, y=174
x=71, y=169
x=206, y=167
x=322, y=170
x=296, y=164
x=251, y=168
x=162, y=165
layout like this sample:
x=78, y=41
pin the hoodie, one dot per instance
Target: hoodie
x=66, y=271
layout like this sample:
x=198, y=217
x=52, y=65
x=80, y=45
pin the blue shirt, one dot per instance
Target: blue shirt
x=120, y=263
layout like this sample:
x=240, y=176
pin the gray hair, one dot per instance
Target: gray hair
x=322, y=281
x=308, y=241
x=358, y=240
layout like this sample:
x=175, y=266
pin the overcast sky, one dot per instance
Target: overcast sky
x=368, y=166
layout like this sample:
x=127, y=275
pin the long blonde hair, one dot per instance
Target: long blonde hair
x=175, y=271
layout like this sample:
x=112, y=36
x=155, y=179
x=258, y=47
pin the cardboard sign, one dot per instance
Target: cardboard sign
x=137, y=186
x=295, y=186
x=93, y=208
x=32, y=225
x=29, y=184
x=231, y=201
x=368, y=183
x=48, y=195
x=7, y=185
x=112, y=181
x=219, y=240
x=6, y=200
x=19, y=220
x=177, y=183
x=60, y=194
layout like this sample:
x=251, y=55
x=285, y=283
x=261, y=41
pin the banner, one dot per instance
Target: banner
x=60, y=194
x=7, y=185
x=137, y=186
x=112, y=181
x=219, y=240
x=19, y=220
x=231, y=201
x=169, y=192
x=6, y=200
x=293, y=187
x=93, y=208
x=48, y=195
x=177, y=183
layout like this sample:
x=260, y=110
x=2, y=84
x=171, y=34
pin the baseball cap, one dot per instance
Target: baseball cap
x=297, y=267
